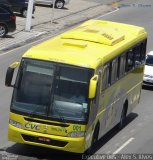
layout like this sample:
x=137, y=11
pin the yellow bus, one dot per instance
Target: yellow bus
x=72, y=89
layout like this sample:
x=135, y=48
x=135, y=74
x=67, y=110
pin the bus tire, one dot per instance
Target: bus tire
x=123, y=116
x=95, y=135
x=94, y=139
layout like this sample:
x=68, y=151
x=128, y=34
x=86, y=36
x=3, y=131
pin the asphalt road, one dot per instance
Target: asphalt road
x=136, y=137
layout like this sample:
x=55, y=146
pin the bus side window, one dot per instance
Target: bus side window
x=99, y=85
x=130, y=60
x=137, y=55
x=122, y=64
x=143, y=51
x=114, y=70
x=106, y=76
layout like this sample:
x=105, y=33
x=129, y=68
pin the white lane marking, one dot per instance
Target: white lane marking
x=117, y=9
x=124, y=145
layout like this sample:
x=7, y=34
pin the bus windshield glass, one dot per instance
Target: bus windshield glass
x=52, y=90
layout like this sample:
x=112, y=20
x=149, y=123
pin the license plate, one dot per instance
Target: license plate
x=44, y=139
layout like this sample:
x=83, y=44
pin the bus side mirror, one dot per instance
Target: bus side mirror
x=9, y=74
x=93, y=86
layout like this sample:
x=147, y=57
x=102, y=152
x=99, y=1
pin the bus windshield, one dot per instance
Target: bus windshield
x=52, y=90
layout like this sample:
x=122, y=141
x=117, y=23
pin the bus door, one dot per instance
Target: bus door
x=106, y=98
x=110, y=94
x=95, y=105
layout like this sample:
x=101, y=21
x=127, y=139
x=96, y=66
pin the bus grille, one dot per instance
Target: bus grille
x=44, y=122
x=51, y=142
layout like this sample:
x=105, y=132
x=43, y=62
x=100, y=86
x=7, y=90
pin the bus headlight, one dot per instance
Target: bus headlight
x=15, y=124
x=76, y=134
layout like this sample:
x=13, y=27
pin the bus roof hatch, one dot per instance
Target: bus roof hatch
x=99, y=34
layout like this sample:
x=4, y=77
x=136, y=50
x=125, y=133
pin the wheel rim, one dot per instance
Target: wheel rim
x=59, y=4
x=25, y=13
x=2, y=31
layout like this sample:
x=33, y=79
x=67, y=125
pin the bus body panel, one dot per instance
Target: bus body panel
x=55, y=135
x=75, y=145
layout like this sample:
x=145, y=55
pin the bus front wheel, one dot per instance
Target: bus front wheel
x=94, y=139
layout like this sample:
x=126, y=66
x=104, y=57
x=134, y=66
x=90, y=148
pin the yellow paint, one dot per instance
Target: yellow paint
x=88, y=44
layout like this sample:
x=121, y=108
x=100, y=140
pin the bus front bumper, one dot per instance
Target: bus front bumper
x=76, y=145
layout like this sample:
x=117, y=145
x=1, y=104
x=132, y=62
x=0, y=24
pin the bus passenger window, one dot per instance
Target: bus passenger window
x=122, y=65
x=137, y=55
x=143, y=51
x=106, y=77
x=114, y=70
x=130, y=60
